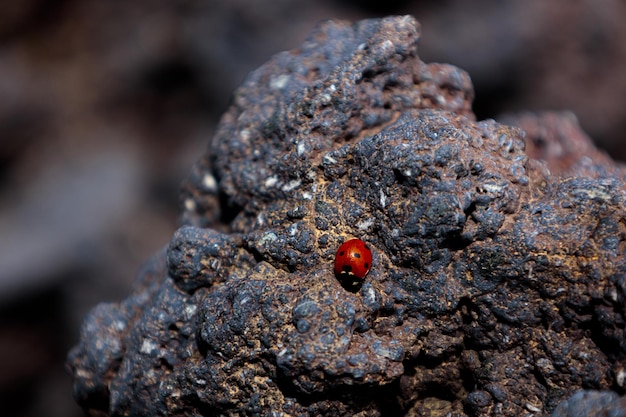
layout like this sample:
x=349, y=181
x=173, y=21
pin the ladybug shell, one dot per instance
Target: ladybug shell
x=353, y=258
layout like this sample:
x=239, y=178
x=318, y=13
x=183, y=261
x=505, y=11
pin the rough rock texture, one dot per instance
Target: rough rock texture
x=497, y=287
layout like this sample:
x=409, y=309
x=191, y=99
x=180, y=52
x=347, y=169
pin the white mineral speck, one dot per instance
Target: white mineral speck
x=620, y=377
x=245, y=135
x=329, y=159
x=279, y=82
x=190, y=205
x=532, y=408
x=268, y=237
x=386, y=45
x=190, y=311
x=291, y=185
x=209, y=183
x=271, y=181
x=148, y=346
x=365, y=224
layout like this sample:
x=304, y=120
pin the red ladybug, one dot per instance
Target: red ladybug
x=353, y=261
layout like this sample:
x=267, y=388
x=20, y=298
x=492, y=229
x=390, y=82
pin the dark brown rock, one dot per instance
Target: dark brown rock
x=497, y=287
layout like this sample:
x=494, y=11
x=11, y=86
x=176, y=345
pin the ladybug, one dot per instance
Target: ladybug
x=353, y=261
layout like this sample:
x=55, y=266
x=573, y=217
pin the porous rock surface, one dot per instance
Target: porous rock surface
x=497, y=287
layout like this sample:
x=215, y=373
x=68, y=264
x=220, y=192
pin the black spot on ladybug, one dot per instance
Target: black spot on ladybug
x=366, y=265
x=357, y=255
x=342, y=253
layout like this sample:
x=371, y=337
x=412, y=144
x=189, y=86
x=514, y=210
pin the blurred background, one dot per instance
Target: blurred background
x=105, y=105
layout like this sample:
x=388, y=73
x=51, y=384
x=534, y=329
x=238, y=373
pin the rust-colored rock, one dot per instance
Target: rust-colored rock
x=497, y=287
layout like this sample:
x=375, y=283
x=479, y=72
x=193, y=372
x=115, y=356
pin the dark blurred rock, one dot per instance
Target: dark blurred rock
x=557, y=139
x=497, y=288
x=537, y=55
x=592, y=404
x=19, y=16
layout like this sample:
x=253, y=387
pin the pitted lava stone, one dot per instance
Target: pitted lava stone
x=497, y=287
